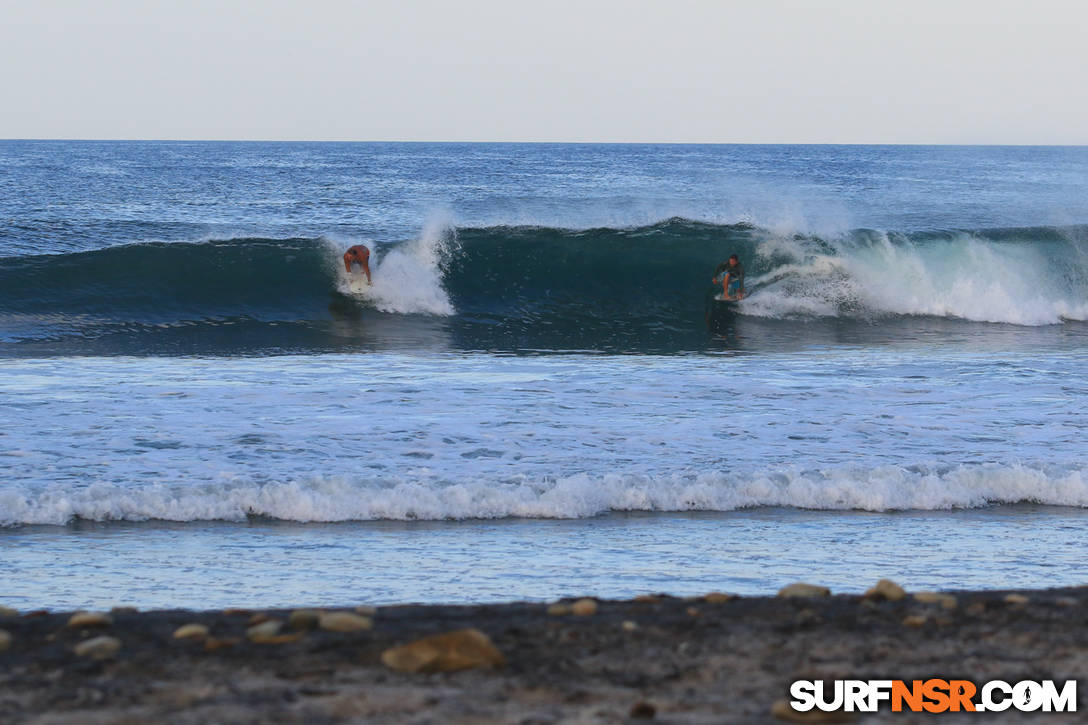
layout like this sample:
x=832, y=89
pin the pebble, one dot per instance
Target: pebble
x=89, y=619
x=629, y=626
x=693, y=612
x=945, y=600
x=803, y=591
x=304, y=618
x=642, y=711
x=558, y=608
x=278, y=638
x=211, y=644
x=718, y=598
x=366, y=611
x=647, y=599
x=459, y=650
x=886, y=589
x=584, y=608
x=1016, y=599
x=1066, y=602
x=976, y=609
x=915, y=620
x=264, y=630
x=98, y=648
x=8, y=612
x=124, y=610
x=187, y=631
x=345, y=622
x=5, y=640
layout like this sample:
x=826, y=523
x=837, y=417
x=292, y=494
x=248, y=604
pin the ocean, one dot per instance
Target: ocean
x=536, y=397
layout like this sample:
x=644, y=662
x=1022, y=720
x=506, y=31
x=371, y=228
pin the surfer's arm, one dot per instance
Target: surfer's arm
x=347, y=262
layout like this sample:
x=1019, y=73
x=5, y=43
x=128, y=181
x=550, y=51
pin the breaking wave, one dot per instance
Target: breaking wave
x=888, y=488
x=654, y=278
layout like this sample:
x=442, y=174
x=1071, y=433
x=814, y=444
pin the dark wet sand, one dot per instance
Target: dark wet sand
x=681, y=661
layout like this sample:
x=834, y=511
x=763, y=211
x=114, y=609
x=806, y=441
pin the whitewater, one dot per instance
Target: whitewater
x=197, y=408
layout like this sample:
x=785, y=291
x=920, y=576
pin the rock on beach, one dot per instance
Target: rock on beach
x=801, y=590
x=886, y=589
x=98, y=648
x=946, y=601
x=189, y=631
x=87, y=620
x=304, y=618
x=584, y=607
x=459, y=650
x=345, y=622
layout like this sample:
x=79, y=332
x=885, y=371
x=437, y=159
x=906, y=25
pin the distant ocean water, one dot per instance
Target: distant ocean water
x=197, y=409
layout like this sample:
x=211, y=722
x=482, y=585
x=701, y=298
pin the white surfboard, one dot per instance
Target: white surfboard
x=357, y=284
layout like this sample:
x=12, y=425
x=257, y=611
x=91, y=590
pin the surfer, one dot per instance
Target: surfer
x=360, y=255
x=733, y=281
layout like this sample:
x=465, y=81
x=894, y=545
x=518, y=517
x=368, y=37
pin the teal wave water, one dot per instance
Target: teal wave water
x=545, y=287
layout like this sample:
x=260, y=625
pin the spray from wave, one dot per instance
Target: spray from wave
x=1022, y=277
x=407, y=278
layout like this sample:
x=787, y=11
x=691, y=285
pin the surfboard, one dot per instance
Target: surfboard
x=357, y=284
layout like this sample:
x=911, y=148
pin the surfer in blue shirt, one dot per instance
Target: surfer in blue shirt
x=733, y=280
x=360, y=255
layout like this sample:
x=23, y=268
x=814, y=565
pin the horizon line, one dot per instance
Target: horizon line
x=539, y=142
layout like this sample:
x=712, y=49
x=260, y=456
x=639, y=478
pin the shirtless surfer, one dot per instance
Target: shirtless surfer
x=360, y=255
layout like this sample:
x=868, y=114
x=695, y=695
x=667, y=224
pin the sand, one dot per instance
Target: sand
x=698, y=660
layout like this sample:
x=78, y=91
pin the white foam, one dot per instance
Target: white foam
x=406, y=279
x=963, y=277
x=320, y=499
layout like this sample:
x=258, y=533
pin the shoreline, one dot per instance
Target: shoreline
x=715, y=658
x=613, y=556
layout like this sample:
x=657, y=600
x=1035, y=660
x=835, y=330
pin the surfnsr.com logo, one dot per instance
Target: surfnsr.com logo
x=934, y=695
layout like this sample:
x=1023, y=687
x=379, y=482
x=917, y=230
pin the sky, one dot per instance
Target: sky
x=678, y=71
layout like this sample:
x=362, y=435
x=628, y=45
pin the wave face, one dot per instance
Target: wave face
x=888, y=488
x=519, y=286
x=161, y=284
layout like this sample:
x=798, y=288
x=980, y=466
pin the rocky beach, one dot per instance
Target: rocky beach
x=717, y=658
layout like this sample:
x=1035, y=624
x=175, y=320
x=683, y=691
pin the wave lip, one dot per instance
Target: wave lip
x=330, y=499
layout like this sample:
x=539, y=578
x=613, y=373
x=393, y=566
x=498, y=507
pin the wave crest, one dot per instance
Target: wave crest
x=328, y=499
x=581, y=287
